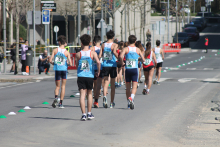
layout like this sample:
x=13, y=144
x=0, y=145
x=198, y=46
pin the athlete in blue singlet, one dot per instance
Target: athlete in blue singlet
x=109, y=53
x=132, y=54
x=97, y=80
x=85, y=73
x=60, y=55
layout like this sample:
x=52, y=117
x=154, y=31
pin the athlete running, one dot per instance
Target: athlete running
x=97, y=81
x=109, y=52
x=60, y=56
x=119, y=66
x=85, y=74
x=160, y=57
x=132, y=54
x=139, y=45
x=149, y=67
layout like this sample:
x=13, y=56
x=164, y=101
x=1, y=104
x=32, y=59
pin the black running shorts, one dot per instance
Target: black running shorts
x=148, y=68
x=159, y=64
x=106, y=71
x=100, y=75
x=85, y=83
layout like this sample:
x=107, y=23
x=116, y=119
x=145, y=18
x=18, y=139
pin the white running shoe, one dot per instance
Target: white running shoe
x=105, y=103
x=122, y=83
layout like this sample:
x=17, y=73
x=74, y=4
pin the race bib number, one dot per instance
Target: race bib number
x=107, y=55
x=147, y=61
x=130, y=63
x=85, y=65
x=60, y=60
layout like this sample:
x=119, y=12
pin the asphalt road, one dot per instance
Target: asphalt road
x=176, y=113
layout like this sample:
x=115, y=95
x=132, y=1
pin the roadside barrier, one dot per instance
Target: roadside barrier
x=72, y=56
x=172, y=47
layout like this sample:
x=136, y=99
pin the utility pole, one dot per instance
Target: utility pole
x=188, y=12
x=176, y=20
x=126, y=22
x=144, y=21
x=34, y=36
x=194, y=6
x=79, y=20
x=4, y=31
x=168, y=21
x=102, y=29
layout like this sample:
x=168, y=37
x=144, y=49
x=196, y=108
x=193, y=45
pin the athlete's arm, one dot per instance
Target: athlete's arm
x=69, y=59
x=162, y=54
x=155, y=60
x=115, y=50
x=122, y=55
x=77, y=59
x=153, y=50
x=51, y=58
x=141, y=54
x=101, y=51
x=95, y=56
x=92, y=48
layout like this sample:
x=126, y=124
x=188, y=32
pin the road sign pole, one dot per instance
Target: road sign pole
x=153, y=38
x=176, y=20
x=4, y=29
x=102, y=31
x=126, y=23
x=79, y=20
x=45, y=36
x=56, y=37
x=168, y=22
x=194, y=6
x=34, y=36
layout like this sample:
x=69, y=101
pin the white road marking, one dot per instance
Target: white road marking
x=163, y=79
x=208, y=69
x=184, y=80
x=203, y=50
x=214, y=51
x=191, y=69
x=174, y=68
x=38, y=80
x=195, y=51
x=72, y=77
x=211, y=80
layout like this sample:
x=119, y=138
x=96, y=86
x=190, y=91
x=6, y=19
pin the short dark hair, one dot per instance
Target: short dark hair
x=132, y=39
x=96, y=39
x=158, y=42
x=85, y=39
x=61, y=39
x=110, y=34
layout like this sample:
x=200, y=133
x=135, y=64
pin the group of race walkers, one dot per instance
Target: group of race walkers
x=105, y=63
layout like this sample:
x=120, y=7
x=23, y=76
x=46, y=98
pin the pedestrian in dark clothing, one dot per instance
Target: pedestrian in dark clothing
x=13, y=56
x=24, y=48
x=206, y=44
x=43, y=62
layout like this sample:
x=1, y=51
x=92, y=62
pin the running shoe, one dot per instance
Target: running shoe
x=55, y=102
x=122, y=83
x=138, y=85
x=61, y=106
x=158, y=83
x=90, y=116
x=140, y=81
x=100, y=95
x=112, y=105
x=131, y=103
x=105, y=103
x=147, y=93
x=96, y=105
x=144, y=92
x=154, y=82
x=128, y=106
x=83, y=118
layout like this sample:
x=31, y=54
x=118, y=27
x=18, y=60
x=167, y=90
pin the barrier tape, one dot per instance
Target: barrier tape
x=172, y=47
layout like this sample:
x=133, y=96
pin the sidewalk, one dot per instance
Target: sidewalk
x=10, y=77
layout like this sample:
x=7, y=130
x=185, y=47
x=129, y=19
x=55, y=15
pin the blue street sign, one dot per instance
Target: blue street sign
x=45, y=16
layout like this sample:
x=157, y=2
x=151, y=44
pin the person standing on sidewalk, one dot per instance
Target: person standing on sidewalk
x=60, y=55
x=85, y=74
x=206, y=44
x=24, y=48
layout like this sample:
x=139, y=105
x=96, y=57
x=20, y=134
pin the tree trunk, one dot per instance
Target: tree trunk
x=11, y=27
x=74, y=35
x=66, y=20
x=140, y=24
x=113, y=22
x=129, y=29
x=121, y=26
x=93, y=22
x=51, y=28
x=42, y=31
x=17, y=38
x=134, y=24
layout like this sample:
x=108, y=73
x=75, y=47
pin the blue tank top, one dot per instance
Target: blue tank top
x=97, y=50
x=132, y=58
x=109, y=59
x=60, y=60
x=85, y=67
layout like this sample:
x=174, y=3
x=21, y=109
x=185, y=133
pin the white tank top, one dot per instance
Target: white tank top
x=158, y=55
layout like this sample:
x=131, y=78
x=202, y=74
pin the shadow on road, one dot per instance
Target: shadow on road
x=56, y=118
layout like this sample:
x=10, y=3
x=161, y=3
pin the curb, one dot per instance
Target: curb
x=17, y=80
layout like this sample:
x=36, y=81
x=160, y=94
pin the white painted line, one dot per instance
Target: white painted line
x=184, y=80
x=208, y=69
x=211, y=80
x=163, y=79
x=191, y=69
x=174, y=68
x=195, y=51
x=38, y=80
x=72, y=77
x=203, y=50
x=214, y=51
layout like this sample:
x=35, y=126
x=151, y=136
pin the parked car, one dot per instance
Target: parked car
x=201, y=19
x=196, y=24
x=192, y=33
x=207, y=14
x=183, y=39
